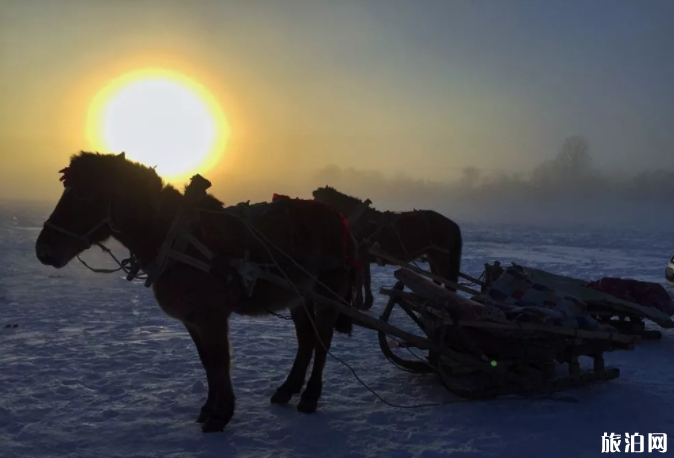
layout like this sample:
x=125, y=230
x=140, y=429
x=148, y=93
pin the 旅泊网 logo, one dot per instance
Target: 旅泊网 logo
x=633, y=443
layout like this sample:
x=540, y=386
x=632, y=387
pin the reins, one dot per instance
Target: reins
x=249, y=271
x=129, y=265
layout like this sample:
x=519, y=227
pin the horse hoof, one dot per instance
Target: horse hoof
x=367, y=305
x=214, y=425
x=281, y=397
x=218, y=418
x=307, y=405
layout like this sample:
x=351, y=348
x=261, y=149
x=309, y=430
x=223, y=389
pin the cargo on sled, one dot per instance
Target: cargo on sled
x=492, y=348
x=609, y=303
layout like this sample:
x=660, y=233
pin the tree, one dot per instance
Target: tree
x=573, y=157
x=570, y=171
x=470, y=177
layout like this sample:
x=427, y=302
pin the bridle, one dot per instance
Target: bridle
x=86, y=237
x=130, y=265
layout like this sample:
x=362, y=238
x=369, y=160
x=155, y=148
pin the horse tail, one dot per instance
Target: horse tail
x=344, y=323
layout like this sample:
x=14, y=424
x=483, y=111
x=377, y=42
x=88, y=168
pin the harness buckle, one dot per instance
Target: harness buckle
x=249, y=272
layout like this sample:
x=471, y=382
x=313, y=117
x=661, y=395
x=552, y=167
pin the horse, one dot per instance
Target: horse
x=309, y=244
x=405, y=235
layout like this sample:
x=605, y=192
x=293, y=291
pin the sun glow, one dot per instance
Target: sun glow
x=159, y=118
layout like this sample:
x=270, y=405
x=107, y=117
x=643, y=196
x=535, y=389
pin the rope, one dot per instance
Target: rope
x=262, y=239
x=278, y=315
x=123, y=264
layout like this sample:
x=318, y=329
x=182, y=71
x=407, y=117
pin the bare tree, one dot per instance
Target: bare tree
x=574, y=157
x=470, y=177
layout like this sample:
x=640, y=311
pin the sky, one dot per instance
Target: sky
x=420, y=89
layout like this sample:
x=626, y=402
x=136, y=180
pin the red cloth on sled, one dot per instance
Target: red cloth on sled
x=350, y=261
x=643, y=293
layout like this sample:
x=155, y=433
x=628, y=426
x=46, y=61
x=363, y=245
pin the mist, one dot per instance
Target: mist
x=568, y=189
x=462, y=107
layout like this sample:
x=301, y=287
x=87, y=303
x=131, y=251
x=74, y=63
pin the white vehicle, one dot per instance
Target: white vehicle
x=669, y=271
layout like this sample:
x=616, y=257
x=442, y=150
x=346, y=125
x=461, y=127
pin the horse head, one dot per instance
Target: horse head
x=93, y=185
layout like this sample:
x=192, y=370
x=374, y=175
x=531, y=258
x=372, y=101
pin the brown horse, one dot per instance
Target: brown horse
x=305, y=242
x=405, y=236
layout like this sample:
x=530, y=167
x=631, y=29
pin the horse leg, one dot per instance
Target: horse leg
x=210, y=400
x=358, y=286
x=433, y=267
x=326, y=321
x=214, y=337
x=446, y=267
x=455, y=258
x=448, y=264
x=306, y=339
x=367, y=282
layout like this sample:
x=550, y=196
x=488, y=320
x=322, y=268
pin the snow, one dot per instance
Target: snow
x=95, y=369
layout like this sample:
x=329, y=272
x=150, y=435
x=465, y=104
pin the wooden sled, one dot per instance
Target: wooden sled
x=627, y=317
x=497, y=358
x=481, y=359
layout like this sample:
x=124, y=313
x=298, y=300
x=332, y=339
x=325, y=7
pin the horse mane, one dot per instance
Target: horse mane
x=112, y=173
x=338, y=198
x=96, y=170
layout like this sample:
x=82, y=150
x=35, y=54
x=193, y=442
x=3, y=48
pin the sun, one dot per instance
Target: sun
x=159, y=118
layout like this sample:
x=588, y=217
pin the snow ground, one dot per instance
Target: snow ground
x=94, y=368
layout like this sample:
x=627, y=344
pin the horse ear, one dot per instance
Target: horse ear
x=122, y=155
x=367, y=202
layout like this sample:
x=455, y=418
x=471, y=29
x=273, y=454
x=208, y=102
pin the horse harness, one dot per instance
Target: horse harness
x=370, y=241
x=178, y=240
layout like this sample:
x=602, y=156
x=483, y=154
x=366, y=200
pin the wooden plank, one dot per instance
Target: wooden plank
x=531, y=327
x=666, y=324
x=358, y=316
x=428, y=289
x=424, y=258
x=471, y=279
x=475, y=388
x=379, y=253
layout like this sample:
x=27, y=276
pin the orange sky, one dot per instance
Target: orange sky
x=422, y=91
